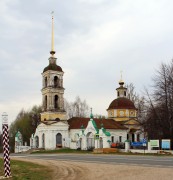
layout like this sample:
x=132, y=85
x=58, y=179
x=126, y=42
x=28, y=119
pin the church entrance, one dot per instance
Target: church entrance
x=36, y=142
x=43, y=140
x=58, y=140
x=79, y=144
x=90, y=141
x=101, y=142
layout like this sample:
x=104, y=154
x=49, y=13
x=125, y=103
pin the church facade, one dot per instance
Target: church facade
x=56, y=131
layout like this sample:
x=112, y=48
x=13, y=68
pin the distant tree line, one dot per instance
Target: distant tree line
x=25, y=122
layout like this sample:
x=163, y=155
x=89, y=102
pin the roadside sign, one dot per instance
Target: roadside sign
x=4, y=118
x=6, y=149
x=144, y=140
x=136, y=144
x=165, y=143
x=154, y=143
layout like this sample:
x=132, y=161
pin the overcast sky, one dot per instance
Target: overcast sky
x=94, y=41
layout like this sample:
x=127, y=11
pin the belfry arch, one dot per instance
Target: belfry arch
x=45, y=102
x=56, y=101
x=56, y=81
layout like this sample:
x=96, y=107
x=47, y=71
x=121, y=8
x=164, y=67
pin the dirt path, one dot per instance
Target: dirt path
x=63, y=170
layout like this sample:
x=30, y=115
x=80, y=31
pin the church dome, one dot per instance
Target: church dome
x=121, y=103
x=52, y=67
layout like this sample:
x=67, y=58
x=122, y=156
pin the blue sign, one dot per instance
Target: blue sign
x=137, y=144
x=144, y=141
x=165, y=144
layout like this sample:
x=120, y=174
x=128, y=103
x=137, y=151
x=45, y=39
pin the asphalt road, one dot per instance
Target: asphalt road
x=151, y=161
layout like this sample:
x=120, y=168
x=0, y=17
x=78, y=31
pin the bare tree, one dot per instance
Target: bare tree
x=131, y=93
x=160, y=114
x=78, y=108
x=139, y=101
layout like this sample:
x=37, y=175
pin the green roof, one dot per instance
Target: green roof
x=106, y=132
x=18, y=133
x=94, y=124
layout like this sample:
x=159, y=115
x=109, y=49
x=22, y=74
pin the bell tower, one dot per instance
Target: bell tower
x=52, y=88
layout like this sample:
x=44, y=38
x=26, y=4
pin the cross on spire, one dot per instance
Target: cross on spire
x=52, y=52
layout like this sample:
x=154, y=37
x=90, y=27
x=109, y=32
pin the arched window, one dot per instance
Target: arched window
x=43, y=140
x=58, y=140
x=45, y=82
x=101, y=142
x=36, y=141
x=56, y=101
x=124, y=93
x=56, y=81
x=45, y=102
x=90, y=140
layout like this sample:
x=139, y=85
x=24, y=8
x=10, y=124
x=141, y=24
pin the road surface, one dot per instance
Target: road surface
x=151, y=161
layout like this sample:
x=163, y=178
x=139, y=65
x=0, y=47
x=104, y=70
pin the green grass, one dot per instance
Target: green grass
x=25, y=170
x=63, y=150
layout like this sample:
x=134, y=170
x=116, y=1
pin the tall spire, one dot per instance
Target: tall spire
x=121, y=82
x=52, y=52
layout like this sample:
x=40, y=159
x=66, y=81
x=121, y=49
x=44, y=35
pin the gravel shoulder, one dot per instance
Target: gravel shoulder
x=63, y=170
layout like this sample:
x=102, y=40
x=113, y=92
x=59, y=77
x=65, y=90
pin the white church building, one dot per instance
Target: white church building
x=56, y=131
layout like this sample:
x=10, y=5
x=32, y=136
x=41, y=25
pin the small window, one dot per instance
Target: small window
x=127, y=136
x=118, y=93
x=45, y=82
x=120, y=138
x=112, y=139
x=124, y=93
x=131, y=113
x=111, y=113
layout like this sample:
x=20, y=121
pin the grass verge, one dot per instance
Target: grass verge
x=63, y=150
x=67, y=150
x=25, y=170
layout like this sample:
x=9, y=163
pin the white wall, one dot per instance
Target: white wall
x=118, y=132
x=50, y=132
x=19, y=149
